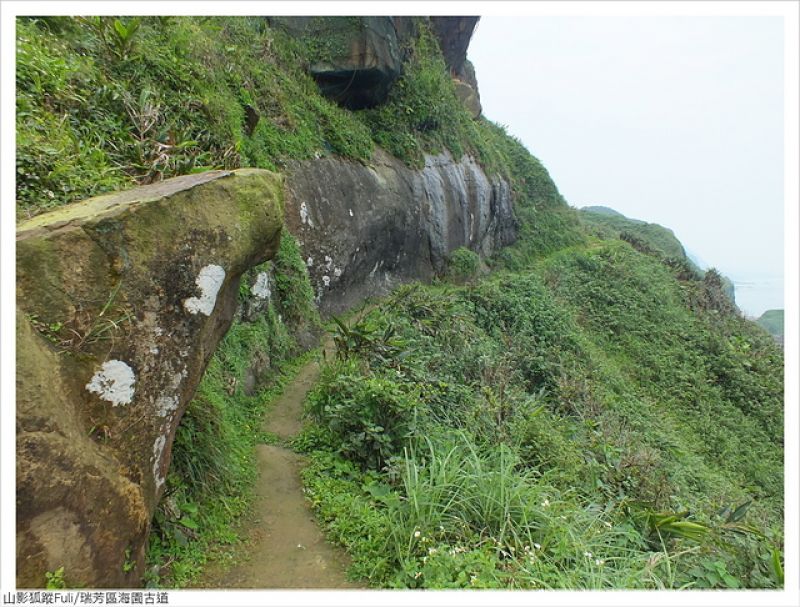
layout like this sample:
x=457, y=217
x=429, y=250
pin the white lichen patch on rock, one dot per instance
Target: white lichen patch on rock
x=304, y=215
x=209, y=281
x=158, y=451
x=165, y=405
x=337, y=272
x=375, y=269
x=261, y=288
x=114, y=382
x=326, y=280
x=310, y=262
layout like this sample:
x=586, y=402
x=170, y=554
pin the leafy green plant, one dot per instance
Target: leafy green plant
x=55, y=579
x=675, y=524
x=123, y=36
x=128, y=564
x=117, y=36
x=368, y=339
x=370, y=417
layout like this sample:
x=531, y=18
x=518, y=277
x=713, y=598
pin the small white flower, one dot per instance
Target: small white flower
x=588, y=555
x=545, y=503
x=416, y=534
x=417, y=575
x=473, y=579
x=607, y=524
x=527, y=548
x=537, y=546
x=599, y=562
x=432, y=550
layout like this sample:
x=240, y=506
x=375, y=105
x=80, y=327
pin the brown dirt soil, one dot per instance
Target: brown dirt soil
x=286, y=548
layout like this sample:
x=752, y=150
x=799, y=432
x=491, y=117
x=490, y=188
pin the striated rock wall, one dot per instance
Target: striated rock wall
x=364, y=229
x=121, y=300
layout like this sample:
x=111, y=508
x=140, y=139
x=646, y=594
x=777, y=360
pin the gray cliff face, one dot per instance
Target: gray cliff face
x=365, y=229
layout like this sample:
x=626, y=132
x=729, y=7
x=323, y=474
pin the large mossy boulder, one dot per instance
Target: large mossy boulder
x=121, y=300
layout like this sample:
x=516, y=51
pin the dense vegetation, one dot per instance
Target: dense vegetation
x=611, y=223
x=592, y=414
x=592, y=422
x=650, y=238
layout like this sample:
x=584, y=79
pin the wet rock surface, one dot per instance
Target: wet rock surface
x=121, y=301
x=364, y=229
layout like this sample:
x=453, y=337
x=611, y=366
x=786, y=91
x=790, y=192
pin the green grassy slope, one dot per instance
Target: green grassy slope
x=105, y=104
x=646, y=237
x=772, y=321
x=539, y=428
x=657, y=237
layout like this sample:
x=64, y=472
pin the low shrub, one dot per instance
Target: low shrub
x=371, y=418
x=463, y=264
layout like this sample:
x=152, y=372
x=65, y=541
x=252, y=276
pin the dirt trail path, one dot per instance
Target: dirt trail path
x=287, y=549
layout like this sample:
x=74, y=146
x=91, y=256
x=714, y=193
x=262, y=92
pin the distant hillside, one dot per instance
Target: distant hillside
x=608, y=222
x=655, y=236
x=772, y=321
x=600, y=210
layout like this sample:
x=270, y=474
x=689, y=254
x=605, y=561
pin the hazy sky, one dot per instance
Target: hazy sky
x=673, y=120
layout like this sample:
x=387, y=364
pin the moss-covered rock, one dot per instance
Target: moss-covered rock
x=121, y=300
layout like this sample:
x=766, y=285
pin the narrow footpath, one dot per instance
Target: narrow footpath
x=286, y=547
